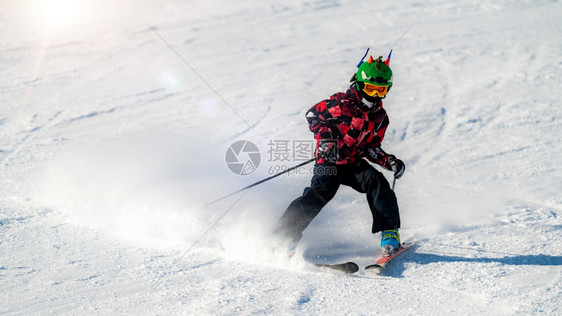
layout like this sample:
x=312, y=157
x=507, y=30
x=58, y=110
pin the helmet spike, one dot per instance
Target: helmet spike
x=387, y=61
x=378, y=63
x=361, y=61
x=371, y=60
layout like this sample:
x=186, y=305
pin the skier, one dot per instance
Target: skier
x=349, y=127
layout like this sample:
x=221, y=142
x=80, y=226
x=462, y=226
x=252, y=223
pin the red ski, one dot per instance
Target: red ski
x=383, y=261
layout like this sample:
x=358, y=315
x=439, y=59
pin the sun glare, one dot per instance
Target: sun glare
x=61, y=13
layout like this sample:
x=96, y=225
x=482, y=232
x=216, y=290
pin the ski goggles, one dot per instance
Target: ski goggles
x=373, y=89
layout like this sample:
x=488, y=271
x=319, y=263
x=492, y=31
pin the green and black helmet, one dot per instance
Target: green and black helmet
x=373, y=78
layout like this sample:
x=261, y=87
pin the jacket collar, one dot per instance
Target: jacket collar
x=362, y=102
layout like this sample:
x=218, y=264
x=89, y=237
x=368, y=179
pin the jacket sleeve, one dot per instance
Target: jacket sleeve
x=375, y=153
x=322, y=120
x=380, y=157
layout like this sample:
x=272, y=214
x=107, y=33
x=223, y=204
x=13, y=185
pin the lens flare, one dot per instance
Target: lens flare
x=61, y=13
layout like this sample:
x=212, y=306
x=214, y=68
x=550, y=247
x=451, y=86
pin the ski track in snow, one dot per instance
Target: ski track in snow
x=110, y=146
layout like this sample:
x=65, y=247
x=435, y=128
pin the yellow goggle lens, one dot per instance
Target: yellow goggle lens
x=371, y=90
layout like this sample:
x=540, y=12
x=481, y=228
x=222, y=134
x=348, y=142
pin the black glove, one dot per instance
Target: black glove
x=328, y=150
x=397, y=166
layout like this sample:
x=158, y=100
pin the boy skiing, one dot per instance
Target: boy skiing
x=349, y=127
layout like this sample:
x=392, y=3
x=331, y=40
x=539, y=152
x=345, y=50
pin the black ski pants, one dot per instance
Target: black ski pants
x=325, y=182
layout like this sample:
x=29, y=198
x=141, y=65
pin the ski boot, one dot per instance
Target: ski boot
x=390, y=242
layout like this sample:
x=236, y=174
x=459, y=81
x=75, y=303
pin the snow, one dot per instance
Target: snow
x=115, y=118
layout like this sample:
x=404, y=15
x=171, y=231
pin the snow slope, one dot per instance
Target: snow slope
x=115, y=119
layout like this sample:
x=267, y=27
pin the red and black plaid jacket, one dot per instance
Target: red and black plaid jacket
x=358, y=131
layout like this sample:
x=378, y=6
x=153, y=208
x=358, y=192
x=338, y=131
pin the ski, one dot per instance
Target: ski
x=345, y=268
x=383, y=261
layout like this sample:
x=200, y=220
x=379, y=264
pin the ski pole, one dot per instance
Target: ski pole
x=393, y=183
x=264, y=180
